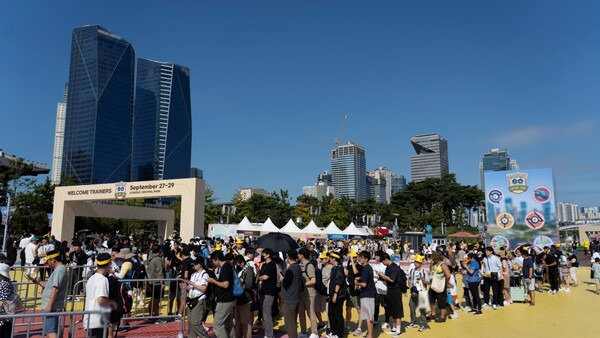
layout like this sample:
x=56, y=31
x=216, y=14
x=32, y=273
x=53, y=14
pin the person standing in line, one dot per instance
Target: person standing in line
x=551, y=263
x=472, y=269
x=353, y=270
x=572, y=258
x=243, y=313
x=290, y=294
x=55, y=292
x=366, y=282
x=381, y=287
x=268, y=290
x=393, y=278
x=156, y=270
x=337, y=294
x=197, y=287
x=31, y=255
x=6, y=289
x=326, y=276
x=528, y=276
x=492, y=271
x=96, y=291
x=308, y=295
x=596, y=270
x=439, y=270
x=225, y=310
x=418, y=279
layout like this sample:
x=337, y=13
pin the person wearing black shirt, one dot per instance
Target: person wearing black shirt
x=268, y=292
x=353, y=270
x=528, y=276
x=367, y=293
x=186, y=269
x=551, y=263
x=223, y=288
x=290, y=294
x=337, y=294
x=572, y=258
x=394, y=294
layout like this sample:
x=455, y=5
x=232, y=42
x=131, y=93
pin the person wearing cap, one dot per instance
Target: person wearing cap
x=337, y=292
x=6, y=289
x=325, y=277
x=43, y=248
x=353, y=270
x=417, y=281
x=97, y=298
x=441, y=271
x=238, y=249
x=197, y=288
x=55, y=292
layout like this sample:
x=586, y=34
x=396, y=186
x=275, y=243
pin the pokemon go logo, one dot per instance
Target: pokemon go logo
x=517, y=182
x=120, y=191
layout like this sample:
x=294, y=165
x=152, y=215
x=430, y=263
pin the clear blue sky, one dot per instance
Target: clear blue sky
x=272, y=80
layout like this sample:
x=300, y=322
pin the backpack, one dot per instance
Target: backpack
x=319, y=286
x=401, y=281
x=238, y=290
x=119, y=292
x=139, y=270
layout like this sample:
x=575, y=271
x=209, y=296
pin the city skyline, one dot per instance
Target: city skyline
x=494, y=81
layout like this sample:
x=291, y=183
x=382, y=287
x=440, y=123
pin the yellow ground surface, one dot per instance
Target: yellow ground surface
x=573, y=314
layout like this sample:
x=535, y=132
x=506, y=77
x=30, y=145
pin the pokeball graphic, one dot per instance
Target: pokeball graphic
x=542, y=194
x=542, y=241
x=495, y=196
x=534, y=220
x=499, y=241
x=505, y=220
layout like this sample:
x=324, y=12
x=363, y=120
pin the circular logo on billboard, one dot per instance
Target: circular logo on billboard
x=534, y=220
x=542, y=194
x=542, y=241
x=495, y=196
x=505, y=220
x=499, y=241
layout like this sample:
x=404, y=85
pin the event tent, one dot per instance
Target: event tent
x=291, y=229
x=268, y=227
x=313, y=231
x=334, y=232
x=352, y=230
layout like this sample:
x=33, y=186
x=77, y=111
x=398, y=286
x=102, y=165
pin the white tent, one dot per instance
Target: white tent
x=352, y=230
x=291, y=229
x=246, y=225
x=332, y=229
x=268, y=227
x=313, y=231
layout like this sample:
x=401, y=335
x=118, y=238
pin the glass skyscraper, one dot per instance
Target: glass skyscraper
x=348, y=171
x=98, y=121
x=431, y=158
x=496, y=160
x=162, y=131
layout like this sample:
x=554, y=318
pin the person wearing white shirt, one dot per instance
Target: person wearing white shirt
x=492, y=272
x=381, y=287
x=24, y=241
x=31, y=254
x=196, y=301
x=97, y=299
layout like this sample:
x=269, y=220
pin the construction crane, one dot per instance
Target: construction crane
x=339, y=136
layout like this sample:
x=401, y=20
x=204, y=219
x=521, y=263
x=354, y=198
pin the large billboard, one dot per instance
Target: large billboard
x=520, y=208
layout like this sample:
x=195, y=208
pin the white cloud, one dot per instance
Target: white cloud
x=531, y=135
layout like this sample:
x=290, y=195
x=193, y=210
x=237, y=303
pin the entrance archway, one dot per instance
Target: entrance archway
x=73, y=201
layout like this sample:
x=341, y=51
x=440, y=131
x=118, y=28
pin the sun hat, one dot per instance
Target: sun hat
x=125, y=253
x=4, y=270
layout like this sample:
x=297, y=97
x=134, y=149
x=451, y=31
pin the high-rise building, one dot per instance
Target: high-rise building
x=567, y=212
x=98, y=121
x=383, y=173
x=348, y=170
x=398, y=184
x=495, y=160
x=246, y=193
x=162, y=124
x=431, y=158
x=59, y=137
x=323, y=187
x=376, y=187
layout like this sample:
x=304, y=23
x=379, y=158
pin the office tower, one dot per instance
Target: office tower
x=398, y=184
x=386, y=175
x=323, y=187
x=567, y=212
x=376, y=187
x=246, y=193
x=59, y=137
x=495, y=160
x=431, y=158
x=325, y=178
x=348, y=170
x=98, y=121
x=162, y=127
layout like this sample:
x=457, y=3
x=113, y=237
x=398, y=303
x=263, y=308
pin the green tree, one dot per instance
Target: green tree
x=211, y=211
x=18, y=168
x=32, y=207
x=306, y=208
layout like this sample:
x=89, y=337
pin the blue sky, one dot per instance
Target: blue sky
x=272, y=81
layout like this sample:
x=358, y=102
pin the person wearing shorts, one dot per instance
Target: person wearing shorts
x=439, y=270
x=353, y=270
x=366, y=282
x=55, y=292
x=529, y=275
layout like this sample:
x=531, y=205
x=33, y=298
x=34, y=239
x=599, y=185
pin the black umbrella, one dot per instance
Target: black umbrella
x=277, y=242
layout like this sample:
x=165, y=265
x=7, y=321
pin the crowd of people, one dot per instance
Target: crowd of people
x=316, y=288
